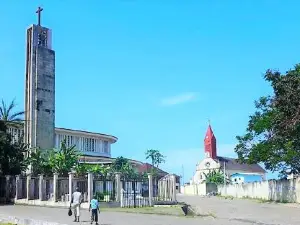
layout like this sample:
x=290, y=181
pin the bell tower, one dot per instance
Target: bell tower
x=210, y=144
x=40, y=87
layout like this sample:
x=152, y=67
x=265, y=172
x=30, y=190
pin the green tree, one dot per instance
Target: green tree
x=65, y=158
x=8, y=115
x=39, y=161
x=119, y=164
x=12, y=154
x=128, y=170
x=216, y=177
x=273, y=133
x=155, y=156
x=81, y=169
x=105, y=171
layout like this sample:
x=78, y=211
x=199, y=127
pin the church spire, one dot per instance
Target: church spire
x=210, y=143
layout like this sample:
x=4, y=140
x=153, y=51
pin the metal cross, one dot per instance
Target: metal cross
x=39, y=10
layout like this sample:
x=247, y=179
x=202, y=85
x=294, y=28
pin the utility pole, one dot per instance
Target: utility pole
x=225, y=177
x=224, y=173
x=182, y=175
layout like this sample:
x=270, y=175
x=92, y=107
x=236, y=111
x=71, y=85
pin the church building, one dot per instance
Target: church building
x=235, y=171
x=39, y=130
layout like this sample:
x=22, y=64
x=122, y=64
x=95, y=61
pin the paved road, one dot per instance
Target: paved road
x=108, y=218
x=227, y=212
x=246, y=211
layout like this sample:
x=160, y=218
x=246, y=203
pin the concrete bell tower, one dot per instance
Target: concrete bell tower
x=39, y=87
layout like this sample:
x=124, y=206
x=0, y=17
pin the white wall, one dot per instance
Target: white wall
x=199, y=189
x=274, y=190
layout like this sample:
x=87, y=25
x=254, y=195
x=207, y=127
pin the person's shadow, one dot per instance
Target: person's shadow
x=86, y=222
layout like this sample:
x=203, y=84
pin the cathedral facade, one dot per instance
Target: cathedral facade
x=235, y=171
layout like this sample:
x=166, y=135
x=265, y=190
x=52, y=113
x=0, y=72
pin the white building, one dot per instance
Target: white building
x=237, y=172
x=92, y=146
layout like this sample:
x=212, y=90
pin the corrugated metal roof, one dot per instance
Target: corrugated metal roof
x=233, y=164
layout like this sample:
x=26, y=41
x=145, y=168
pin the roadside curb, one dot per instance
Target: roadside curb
x=23, y=221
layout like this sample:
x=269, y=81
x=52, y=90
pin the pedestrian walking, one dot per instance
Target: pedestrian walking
x=75, y=203
x=94, y=205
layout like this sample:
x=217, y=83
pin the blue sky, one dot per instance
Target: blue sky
x=153, y=72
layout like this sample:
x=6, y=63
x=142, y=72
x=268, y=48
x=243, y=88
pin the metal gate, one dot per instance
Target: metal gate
x=36, y=187
x=104, y=188
x=135, y=192
x=2, y=189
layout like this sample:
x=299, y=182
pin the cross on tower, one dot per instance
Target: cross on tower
x=39, y=10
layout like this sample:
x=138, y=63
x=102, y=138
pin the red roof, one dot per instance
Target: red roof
x=209, y=134
x=146, y=168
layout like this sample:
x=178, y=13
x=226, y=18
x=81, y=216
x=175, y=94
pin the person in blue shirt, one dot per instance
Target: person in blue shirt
x=94, y=205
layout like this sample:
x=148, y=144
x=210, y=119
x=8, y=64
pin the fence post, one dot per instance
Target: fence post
x=41, y=188
x=71, y=176
x=28, y=181
x=122, y=198
x=55, y=186
x=7, y=187
x=118, y=186
x=18, y=188
x=90, y=186
x=173, y=187
x=166, y=186
x=150, y=178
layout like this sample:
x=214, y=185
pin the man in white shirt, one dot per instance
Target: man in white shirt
x=75, y=203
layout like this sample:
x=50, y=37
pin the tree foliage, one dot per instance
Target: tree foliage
x=65, y=158
x=155, y=156
x=39, y=162
x=215, y=176
x=61, y=160
x=123, y=166
x=12, y=154
x=102, y=170
x=8, y=116
x=119, y=164
x=273, y=133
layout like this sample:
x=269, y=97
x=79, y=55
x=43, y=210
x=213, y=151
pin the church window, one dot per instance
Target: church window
x=68, y=141
x=87, y=144
x=105, y=146
x=84, y=144
x=93, y=145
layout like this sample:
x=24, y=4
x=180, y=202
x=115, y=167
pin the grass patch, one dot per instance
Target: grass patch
x=6, y=224
x=166, y=211
x=226, y=197
x=170, y=211
x=260, y=200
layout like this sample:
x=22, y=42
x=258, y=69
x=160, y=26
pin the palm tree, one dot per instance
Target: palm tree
x=39, y=161
x=119, y=163
x=63, y=159
x=9, y=117
x=156, y=157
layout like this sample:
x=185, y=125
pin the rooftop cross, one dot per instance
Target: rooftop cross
x=39, y=10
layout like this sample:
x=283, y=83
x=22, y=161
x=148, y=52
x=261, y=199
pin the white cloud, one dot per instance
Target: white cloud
x=178, y=99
